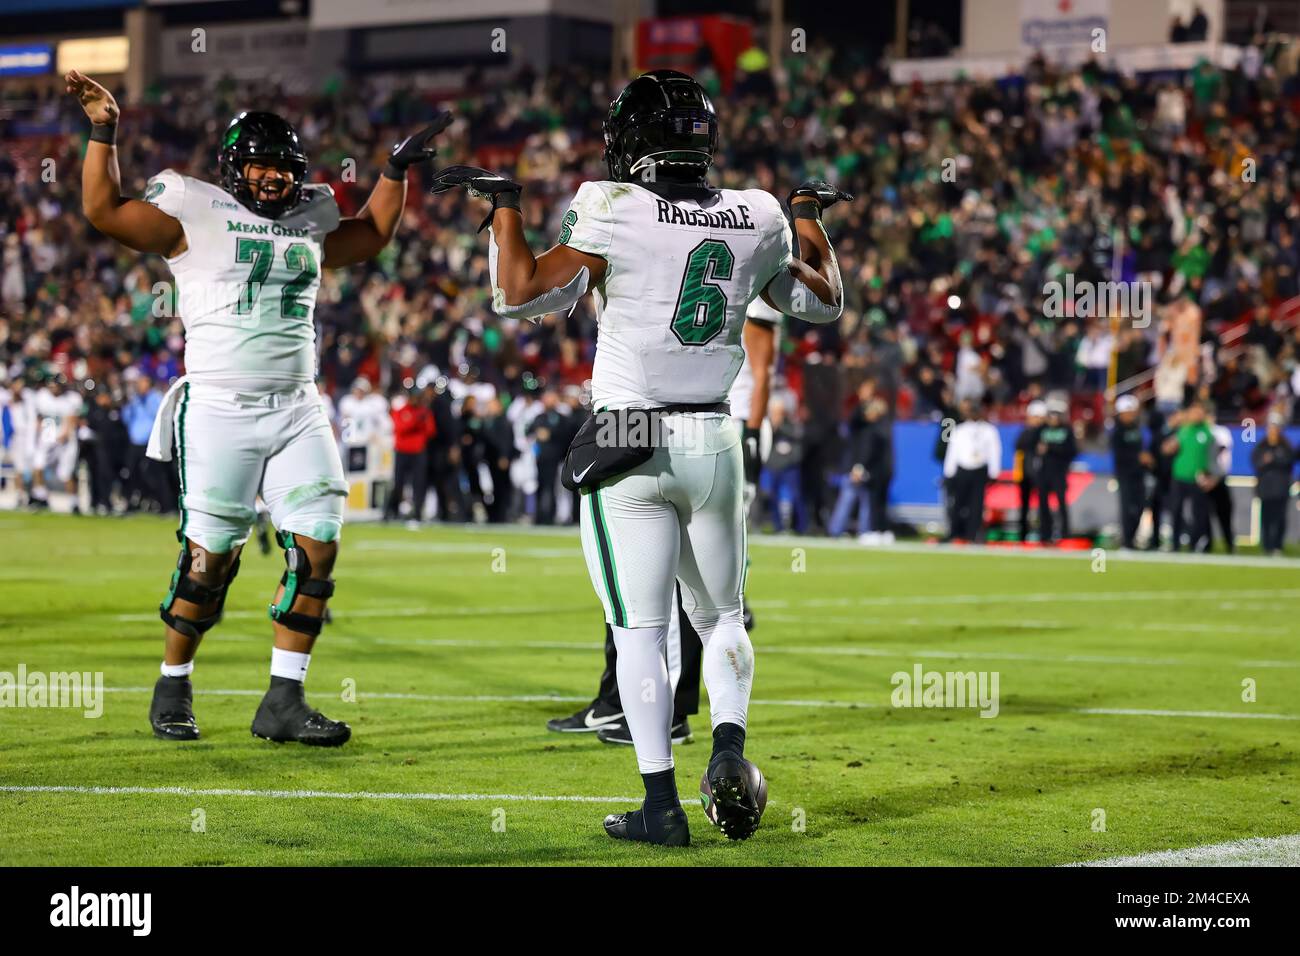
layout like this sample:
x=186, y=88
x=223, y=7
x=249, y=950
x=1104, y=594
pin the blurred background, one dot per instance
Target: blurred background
x=997, y=147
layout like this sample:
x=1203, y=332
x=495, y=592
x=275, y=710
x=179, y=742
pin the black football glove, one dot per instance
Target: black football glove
x=481, y=184
x=820, y=190
x=416, y=148
x=752, y=458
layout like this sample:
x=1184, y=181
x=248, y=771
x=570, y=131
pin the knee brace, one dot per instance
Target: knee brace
x=187, y=589
x=297, y=580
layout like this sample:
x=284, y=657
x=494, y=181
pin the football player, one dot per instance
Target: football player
x=246, y=418
x=673, y=264
x=748, y=399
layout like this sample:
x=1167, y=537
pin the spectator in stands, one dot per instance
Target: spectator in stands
x=973, y=459
x=1026, y=464
x=1057, y=450
x=1274, y=462
x=782, y=469
x=1132, y=462
x=1192, y=448
x=413, y=427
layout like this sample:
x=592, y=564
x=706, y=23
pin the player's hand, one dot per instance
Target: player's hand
x=477, y=181
x=480, y=183
x=94, y=99
x=418, y=147
x=823, y=192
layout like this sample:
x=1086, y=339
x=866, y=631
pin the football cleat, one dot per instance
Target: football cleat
x=171, y=714
x=666, y=828
x=620, y=734
x=734, y=795
x=284, y=715
x=592, y=718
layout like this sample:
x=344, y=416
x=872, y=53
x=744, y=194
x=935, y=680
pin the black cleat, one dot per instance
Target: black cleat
x=620, y=734
x=595, y=716
x=172, y=713
x=284, y=716
x=734, y=795
x=668, y=828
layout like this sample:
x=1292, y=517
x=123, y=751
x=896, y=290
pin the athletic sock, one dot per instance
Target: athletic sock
x=729, y=738
x=727, y=664
x=660, y=791
x=177, y=670
x=291, y=665
x=646, y=694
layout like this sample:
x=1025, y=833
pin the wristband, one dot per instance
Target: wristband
x=806, y=210
x=395, y=172
x=103, y=133
x=502, y=200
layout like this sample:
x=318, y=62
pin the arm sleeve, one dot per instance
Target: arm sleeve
x=167, y=191
x=995, y=452
x=949, y=459
x=588, y=225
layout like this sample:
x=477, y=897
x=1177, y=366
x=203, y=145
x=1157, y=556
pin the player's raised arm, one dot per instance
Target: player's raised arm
x=362, y=237
x=523, y=285
x=137, y=224
x=811, y=290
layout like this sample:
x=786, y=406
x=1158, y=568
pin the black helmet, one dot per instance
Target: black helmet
x=662, y=119
x=266, y=138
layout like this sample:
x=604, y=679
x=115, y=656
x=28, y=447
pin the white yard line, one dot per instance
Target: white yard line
x=759, y=702
x=1256, y=851
x=314, y=794
x=1220, y=714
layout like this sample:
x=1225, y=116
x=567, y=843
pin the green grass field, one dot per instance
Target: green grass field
x=457, y=666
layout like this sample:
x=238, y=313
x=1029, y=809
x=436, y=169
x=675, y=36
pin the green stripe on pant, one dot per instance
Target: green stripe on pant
x=608, y=569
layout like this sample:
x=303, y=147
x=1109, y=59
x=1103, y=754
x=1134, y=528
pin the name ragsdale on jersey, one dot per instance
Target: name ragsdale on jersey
x=679, y=276
x=246, y=285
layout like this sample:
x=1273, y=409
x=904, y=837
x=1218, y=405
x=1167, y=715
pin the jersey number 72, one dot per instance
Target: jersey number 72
x=261, y=253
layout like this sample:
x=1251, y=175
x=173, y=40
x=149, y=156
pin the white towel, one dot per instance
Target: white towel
x=162, y=435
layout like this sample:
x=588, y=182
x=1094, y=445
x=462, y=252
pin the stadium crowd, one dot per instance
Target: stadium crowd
x=972, y=197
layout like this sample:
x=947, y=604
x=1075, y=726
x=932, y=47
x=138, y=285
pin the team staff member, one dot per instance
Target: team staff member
x=1192, y=447
x=973, y=459
x=1056, y=451
x=1132, y=461
x=1274, y=462
x=1026, y=467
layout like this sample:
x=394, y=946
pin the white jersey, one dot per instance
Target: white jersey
x=742, y=389
x=680, y=275
x=54, y=410
x=246, y=285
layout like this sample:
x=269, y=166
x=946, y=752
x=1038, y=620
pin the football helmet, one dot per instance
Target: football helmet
x=263, y=138
x=662, y=119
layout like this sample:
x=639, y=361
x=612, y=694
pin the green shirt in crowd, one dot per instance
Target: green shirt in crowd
x=1195, y=446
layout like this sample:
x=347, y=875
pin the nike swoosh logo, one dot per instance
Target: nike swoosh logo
x=577, y=478
x=591, y=720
